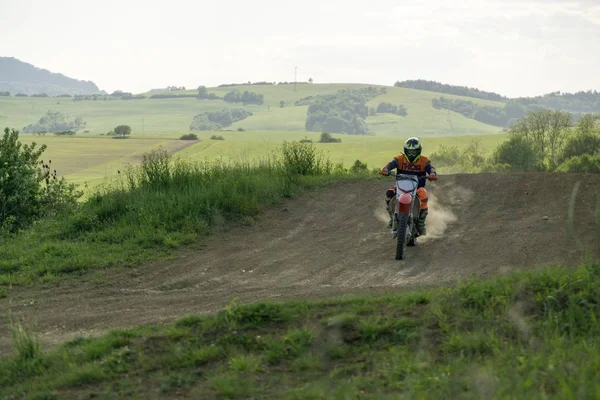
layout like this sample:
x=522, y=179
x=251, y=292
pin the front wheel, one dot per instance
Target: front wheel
x=402, y=222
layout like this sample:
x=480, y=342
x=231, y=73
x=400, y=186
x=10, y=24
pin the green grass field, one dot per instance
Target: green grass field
x=169, y=118
x=91, y=160
x=530, y=335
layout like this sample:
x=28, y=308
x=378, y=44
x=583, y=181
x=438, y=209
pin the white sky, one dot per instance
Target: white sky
x=511, y=47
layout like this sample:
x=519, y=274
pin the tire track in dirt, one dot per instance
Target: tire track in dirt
x=327, y=243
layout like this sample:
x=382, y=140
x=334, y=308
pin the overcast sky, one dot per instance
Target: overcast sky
x=507, y=46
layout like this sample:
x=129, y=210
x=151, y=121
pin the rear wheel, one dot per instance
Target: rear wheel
x=402, y=219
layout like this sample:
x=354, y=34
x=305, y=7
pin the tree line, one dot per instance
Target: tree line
x=216, y=120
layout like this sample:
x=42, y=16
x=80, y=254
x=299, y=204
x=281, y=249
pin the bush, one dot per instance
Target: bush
x=298, y=158
x=189, y=136
x=359, y=167
x=29, y=189
x=447, y=156
x=327, y=138
x=65, y=133
x=215, y=137
x=519, y=153
x=306, y=140
x=585, y=163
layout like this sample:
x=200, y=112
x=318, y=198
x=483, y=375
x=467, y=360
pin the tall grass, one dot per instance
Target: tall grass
x=163, y=203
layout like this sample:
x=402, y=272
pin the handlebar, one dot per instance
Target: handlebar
x=394, y=174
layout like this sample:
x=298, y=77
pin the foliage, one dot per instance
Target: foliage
x=65, y=133
x=122, y=130
x=342, y=112
x=359, y=167
x=246, y=97
x=328, y=138
x=55, y=121
x=120, y=93
x=450, y=89
x=215, y=137
x=29, y=189
x=582, y=101
x=189, y=136
x=302, y=158
x=447, y=156
x=585, y=140
x=5, y=94
x=547, y=131
x=391, y=109
x=518, y=152
x=214, y=121
x=585, y=163
x=527, y=335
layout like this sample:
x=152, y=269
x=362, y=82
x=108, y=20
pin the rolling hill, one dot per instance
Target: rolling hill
x=172, y=116
x=17, y=77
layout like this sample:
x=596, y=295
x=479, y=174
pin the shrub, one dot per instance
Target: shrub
x=189, y=136
x=359, y=167
x=306, y=140
x=447, y=156
x=29, y=189
x=215, y=137
x=585, y=163
x=298, y=158
x=519, y=153
x=327, y=138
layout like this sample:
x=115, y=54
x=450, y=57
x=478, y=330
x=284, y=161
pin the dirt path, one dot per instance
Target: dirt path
x=328, y=243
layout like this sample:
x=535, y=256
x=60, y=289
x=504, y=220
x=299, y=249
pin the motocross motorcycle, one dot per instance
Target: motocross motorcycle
x=404, y=209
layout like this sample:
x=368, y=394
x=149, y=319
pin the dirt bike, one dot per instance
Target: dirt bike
x=404, y=209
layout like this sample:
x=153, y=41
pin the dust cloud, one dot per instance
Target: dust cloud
x=438, y=220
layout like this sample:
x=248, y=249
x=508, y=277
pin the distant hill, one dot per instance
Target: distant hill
x=20, y=77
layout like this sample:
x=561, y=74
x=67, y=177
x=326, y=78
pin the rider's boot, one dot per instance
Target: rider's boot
x=421, y=222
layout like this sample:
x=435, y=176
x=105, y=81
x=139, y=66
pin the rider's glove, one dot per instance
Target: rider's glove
x=384, y=172
x=433, y=177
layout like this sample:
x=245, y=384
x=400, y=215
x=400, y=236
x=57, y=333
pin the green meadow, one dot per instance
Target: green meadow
x=170, y=118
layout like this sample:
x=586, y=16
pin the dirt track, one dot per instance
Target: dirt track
x=328, y=243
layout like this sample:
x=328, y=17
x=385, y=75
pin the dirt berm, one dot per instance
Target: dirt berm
x=327, y=243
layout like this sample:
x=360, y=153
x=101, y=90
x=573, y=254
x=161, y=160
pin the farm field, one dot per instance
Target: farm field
x=91, y=160
x=170, y=118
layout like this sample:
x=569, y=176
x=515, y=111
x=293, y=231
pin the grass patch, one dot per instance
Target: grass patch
x=160, y=205
x=529, y=335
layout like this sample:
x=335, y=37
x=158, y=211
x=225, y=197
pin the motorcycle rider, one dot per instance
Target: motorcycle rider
x=411, y=163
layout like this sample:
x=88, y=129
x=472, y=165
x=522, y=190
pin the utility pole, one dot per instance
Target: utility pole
x=295, y=77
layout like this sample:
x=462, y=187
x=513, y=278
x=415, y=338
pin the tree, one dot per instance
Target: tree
x=310, y=80
x=202, y=92
x=586, y=139
x=123, y=130
x=282, y=104
x=518, y=152
x=546, y=130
